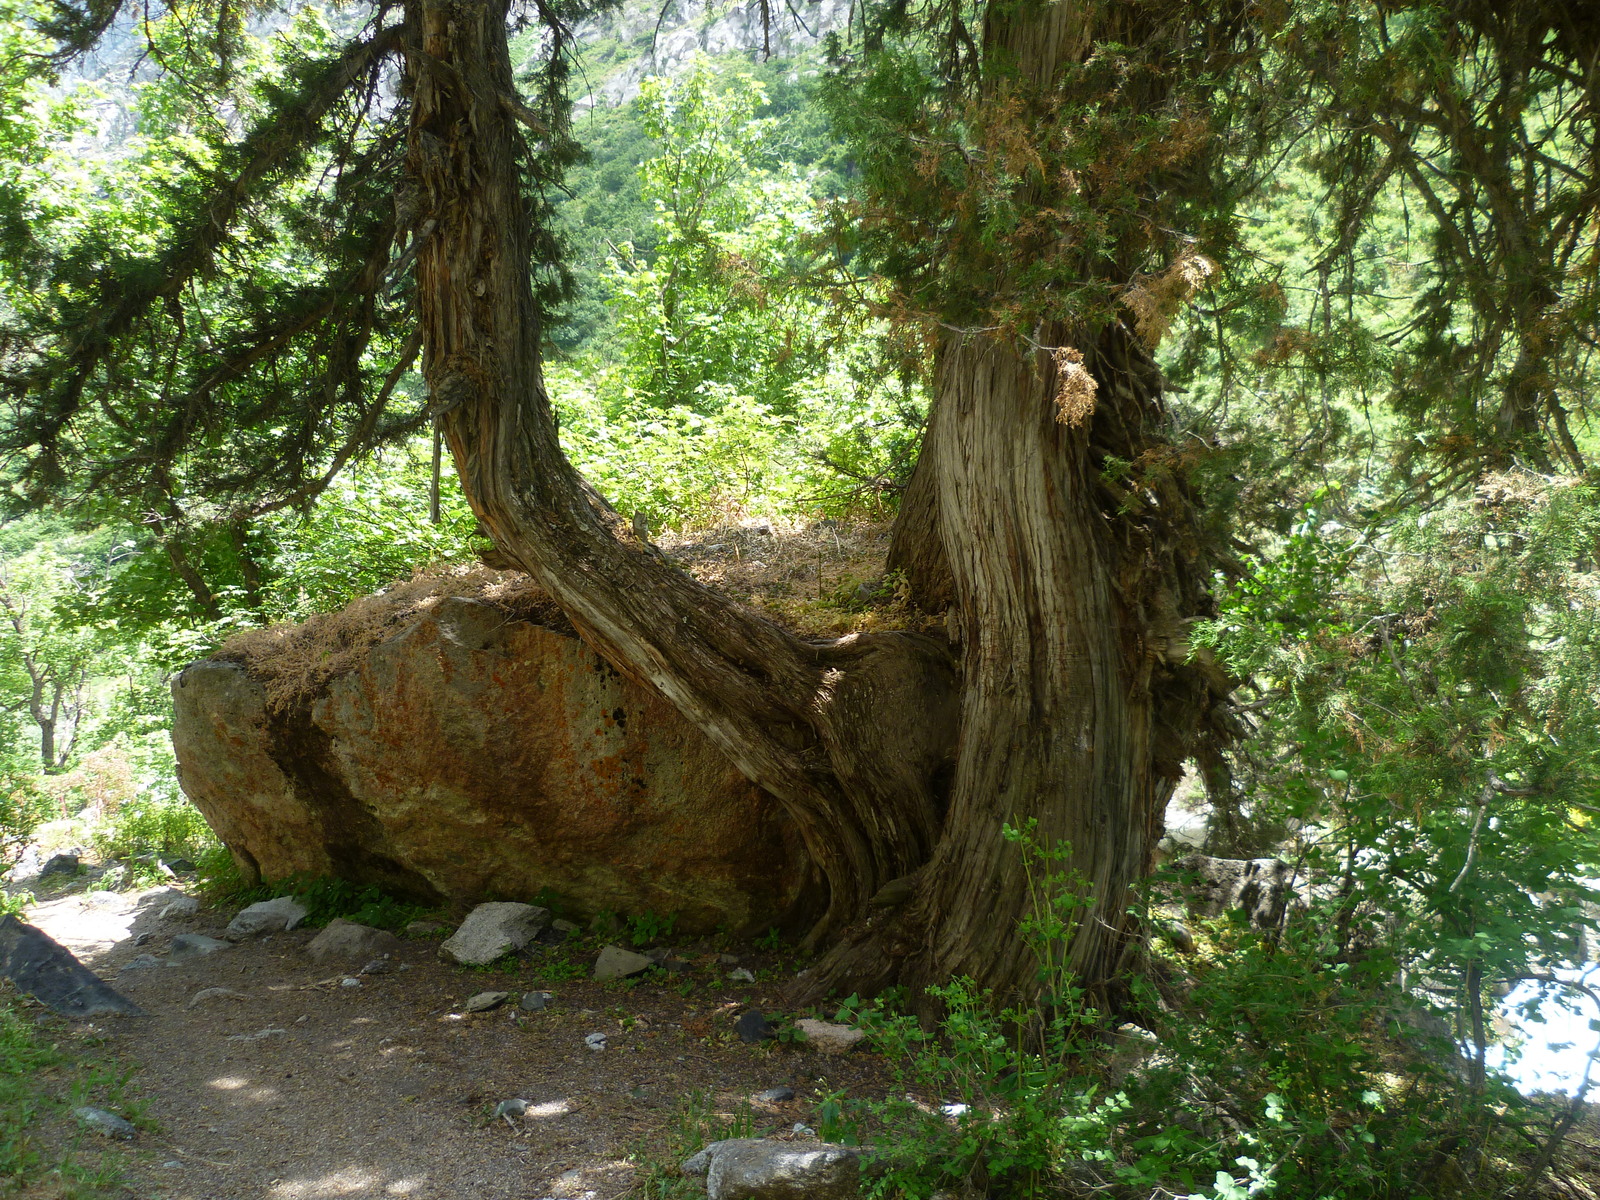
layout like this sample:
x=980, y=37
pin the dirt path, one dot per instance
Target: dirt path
x=301, y=1088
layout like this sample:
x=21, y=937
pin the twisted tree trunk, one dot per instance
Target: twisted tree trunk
x=898, y=756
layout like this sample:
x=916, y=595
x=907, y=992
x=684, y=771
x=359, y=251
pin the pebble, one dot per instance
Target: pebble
x=777, y=1095
x=595, y=1041
x=172, y=1164
x=740, y=975
x=828, y=1038
x=214, y=993
x=535, y=1001
x=377, y=966
x=484, y=1001
x=350, y=981
x=105, y=1123
x=259, y=1035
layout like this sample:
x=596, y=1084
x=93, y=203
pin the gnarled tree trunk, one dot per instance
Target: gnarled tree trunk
x=898, y=756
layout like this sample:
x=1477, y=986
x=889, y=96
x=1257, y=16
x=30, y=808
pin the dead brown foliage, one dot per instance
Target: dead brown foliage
x=294, y=661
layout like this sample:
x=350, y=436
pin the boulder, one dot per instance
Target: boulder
x=491, y=930
x=755, y=1169
x=347, y=940
x=48, y=972
x=477, y=753
x=616, y=963
x=828, y=1038
x=266, y=916
x=1267, y=890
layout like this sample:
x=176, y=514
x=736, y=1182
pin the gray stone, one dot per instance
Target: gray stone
x=142, y=963
x=1269, y=890
x=187, y=947
x=741, y=975
x=616, y=963
x=143, y=939
x=515, y=1107
x=535, y=1001
x=260, y=1035
x=178, y=866
x=60, y=864
x=595, y=1041
x=349, y=981
x=180, y=909
x=347, y=940
x=754, y=1169
x=484, y=1001
x=48, y=972
x=492, y=930
x=204, y=995
x=754, y=1027
x=105, y=1122
x=267, y=916
x=777, y=1095
x=828, y=1038
x=378, y=966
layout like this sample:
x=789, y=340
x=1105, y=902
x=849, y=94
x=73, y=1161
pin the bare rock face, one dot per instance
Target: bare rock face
x=475, y=755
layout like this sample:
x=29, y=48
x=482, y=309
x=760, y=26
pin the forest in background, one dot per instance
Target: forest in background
x=1410, y=616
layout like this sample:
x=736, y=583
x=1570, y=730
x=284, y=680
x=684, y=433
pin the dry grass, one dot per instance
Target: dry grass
x=294, y=661
x=814, y=578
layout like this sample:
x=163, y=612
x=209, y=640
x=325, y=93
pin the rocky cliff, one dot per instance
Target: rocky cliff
x=475, y=753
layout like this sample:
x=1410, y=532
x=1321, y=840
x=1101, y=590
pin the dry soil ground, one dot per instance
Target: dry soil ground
x=300, y=1088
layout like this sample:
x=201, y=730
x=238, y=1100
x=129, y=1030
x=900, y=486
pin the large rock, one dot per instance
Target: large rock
x=475, y=754
x=48, y=972
x=753, y=1169
x=491, y=930
x=1266, y=889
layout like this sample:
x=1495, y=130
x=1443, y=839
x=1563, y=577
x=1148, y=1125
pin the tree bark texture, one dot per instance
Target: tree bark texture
x=1061, y=696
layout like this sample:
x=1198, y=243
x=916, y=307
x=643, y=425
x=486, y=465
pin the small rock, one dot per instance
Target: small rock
x=349, y=981
x=348, y=940
x=535, y=1001
x=62, y=864
x=205, y=995
x=423, y=929
x=595, y=1041
x=267, y=916
x=484, y=1001
x=754, y=1169
x=172, y=1164
x=378, y=966
x=259, y=1035
x=493, y=929
x=178, y=866
x=514, y=1107
x=777, y=1095
x=189, y=946
x=180, y=909
x=801, y=1129
x=142, y=963
x=616, y=963
x=143, y=939
x=827, y=1037
x=565, y=927
x=105, y=1123
x=740, y=975
x=753, y=1027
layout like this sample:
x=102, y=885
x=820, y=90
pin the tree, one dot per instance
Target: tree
x=1066, y=165
x=54, y=660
